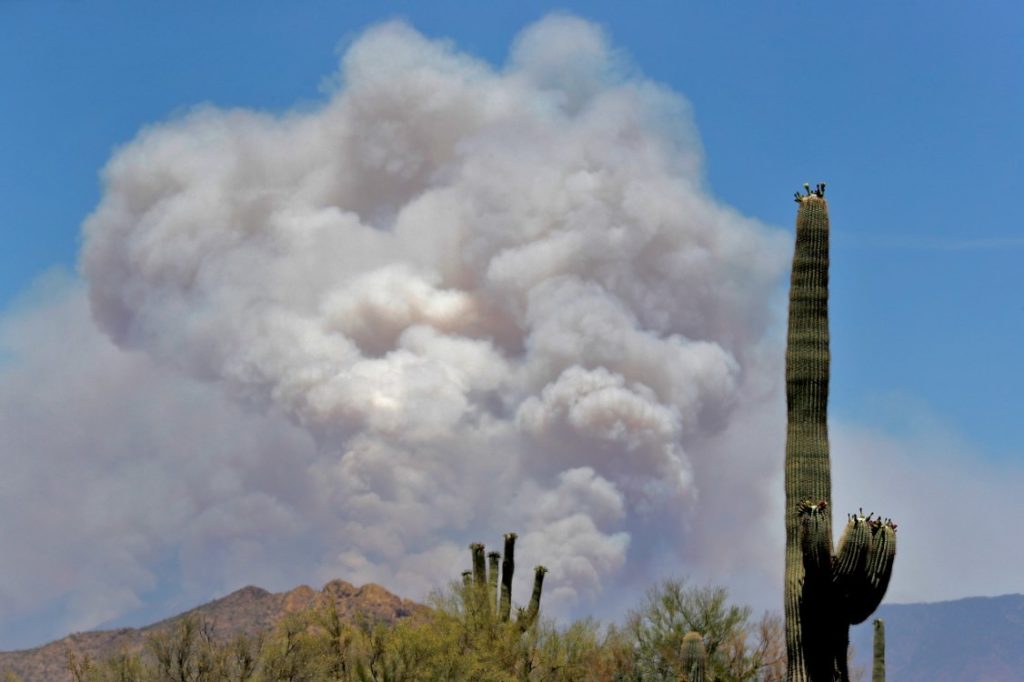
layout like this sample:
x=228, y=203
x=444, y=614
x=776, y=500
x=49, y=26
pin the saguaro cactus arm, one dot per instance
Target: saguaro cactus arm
x=866, y=587
x=815, y=541
x=851, y=557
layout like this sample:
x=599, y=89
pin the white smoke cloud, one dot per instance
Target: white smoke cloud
x=115, y=468
x=465, y=283
x=452, y=301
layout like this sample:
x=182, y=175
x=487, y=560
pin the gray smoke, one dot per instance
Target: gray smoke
x=121, y=477
x=451, y=301
x=496, y=299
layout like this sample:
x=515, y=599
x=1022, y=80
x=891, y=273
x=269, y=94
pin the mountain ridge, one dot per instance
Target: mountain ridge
x=248, y=611
x=972, y=639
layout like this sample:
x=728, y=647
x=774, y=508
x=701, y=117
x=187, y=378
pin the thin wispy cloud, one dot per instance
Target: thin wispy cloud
x=920, y=243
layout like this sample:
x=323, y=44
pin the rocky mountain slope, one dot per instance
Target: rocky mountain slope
x=248, y=611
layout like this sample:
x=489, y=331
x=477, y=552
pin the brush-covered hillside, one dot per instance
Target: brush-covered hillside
x=246, y=613
x=979, y=639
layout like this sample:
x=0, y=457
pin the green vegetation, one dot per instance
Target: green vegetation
x=737, y=648
x=186, y=653
x=824, y=593
x=449, y=642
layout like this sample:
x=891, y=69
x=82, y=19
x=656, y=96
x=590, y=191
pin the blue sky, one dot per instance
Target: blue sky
x=910, y=112
x=912, y=115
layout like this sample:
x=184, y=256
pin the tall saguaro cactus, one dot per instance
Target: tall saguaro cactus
x=824, y=593
x=508, y=568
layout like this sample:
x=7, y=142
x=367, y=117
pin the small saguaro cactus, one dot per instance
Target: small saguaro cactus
x=481, y=608
x=878, y=663
x=479, y=570
x=824, y=592
x=482, y=585
x=695, y=657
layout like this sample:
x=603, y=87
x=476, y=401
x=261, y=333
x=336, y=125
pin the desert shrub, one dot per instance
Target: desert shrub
x=462, y=637
x=738, y=649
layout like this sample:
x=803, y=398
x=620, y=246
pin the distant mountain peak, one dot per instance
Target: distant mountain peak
x=970, y=639
x=248, y=610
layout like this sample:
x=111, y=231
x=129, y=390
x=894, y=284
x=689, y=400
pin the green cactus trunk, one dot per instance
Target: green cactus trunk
x=508, y=567
x=878, y=665
x=479, y=565
x=808, y=477
x=478, y=607
x=481, y=585
x=529, y=617
x=824, y=594
x=695, y=657
x=492, y=579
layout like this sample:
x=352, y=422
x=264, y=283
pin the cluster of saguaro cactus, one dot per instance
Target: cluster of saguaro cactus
x=485, y=600
x=824, y=592
x=695, y=657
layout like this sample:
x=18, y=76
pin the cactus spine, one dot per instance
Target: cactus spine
x=695, y=657
x=824, y=594
x=878, y=664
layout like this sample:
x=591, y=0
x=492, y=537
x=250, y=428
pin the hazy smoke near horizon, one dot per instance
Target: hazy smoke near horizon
x=452, y=301
x=496, y=299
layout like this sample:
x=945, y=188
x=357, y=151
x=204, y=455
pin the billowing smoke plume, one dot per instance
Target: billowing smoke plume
x=497, y=299
x=459, y=300
x=452, y=301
